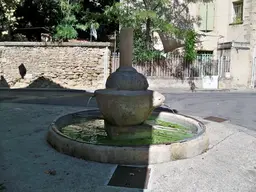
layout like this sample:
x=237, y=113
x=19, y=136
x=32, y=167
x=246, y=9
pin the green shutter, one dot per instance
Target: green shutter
x=210, y=18
x=202, y=15
x=206, y=13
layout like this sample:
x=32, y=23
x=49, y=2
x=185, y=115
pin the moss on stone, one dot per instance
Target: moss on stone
x=92, y=131
x=2, y=187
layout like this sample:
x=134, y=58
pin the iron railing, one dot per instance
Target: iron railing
x=174, y=65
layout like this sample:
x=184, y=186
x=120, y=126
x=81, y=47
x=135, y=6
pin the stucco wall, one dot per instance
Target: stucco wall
x=240, y=70
x=238, y=32
x=70, y=65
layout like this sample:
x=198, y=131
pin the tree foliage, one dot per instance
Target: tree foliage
x=78, y=16
x=37, y=16
x=68, y=19
x=147, y=16
x=190, y=41
x=94, y=13
x=66, y=29
x=7, y=18
x=64, y=19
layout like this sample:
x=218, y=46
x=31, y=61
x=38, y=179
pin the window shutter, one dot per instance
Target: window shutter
x=210, y=18
x=206, y=13
x=202, y=15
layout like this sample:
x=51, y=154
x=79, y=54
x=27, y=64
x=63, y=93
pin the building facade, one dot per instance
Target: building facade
x=228, y=34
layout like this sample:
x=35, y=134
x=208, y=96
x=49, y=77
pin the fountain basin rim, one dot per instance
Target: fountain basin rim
x=129, y=155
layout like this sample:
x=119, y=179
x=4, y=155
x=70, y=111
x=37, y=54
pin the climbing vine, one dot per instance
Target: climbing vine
x=190, y=43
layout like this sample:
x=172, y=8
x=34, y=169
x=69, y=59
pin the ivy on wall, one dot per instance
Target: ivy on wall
x=190, y=43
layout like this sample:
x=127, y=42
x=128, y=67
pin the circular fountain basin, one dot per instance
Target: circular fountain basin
x=174, y=137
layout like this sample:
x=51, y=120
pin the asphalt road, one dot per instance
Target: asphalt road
x=239, y=108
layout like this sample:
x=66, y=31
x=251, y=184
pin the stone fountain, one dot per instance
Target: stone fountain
x=127, y=134
x=126, y=102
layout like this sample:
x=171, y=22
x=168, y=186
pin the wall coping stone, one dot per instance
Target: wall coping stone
x=55, y=44
x=233, y=44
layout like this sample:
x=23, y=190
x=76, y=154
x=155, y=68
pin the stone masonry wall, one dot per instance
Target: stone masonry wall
x=70, y=65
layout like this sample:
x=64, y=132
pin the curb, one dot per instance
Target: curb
x=166, y=90
x=215, y=90
x=46, y=90
x=42, y=91
x=178, y=91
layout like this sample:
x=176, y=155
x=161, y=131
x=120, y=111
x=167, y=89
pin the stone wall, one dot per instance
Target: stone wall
x=82, y=65
x=253, y=43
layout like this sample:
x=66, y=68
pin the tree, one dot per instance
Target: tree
x=7, y=18
x=93, y=12
x=37, y=16
x=61, y=18
x=147, y=16
x=64, y=19
x=66, y=29
x=79, y=16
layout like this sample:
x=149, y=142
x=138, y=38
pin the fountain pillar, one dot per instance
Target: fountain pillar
x=126, y=47
x=126, y=102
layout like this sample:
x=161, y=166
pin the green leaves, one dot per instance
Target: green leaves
x=69, y=19
x=144, y=15
x=82, y=27
x=190, y=41
x=147, y=16
x=129, y=15
x=67, y=29
x=143, y=53
x=64, y=32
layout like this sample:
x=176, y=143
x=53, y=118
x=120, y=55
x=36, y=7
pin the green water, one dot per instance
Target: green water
x=92, y=131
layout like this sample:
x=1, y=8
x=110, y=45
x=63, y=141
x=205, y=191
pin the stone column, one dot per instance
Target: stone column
x=126, y=47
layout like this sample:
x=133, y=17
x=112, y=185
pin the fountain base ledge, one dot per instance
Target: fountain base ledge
x=129, y=155
x=128, y=132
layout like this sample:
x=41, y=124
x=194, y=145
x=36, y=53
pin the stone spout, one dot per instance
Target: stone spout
x=158, y=99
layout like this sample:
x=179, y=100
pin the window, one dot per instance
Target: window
x=204, y=56
x=205, y=63
x=206, y=14
x=237, y=12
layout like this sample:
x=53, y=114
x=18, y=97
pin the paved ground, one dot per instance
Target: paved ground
x=238, y=107
x=229, y=165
